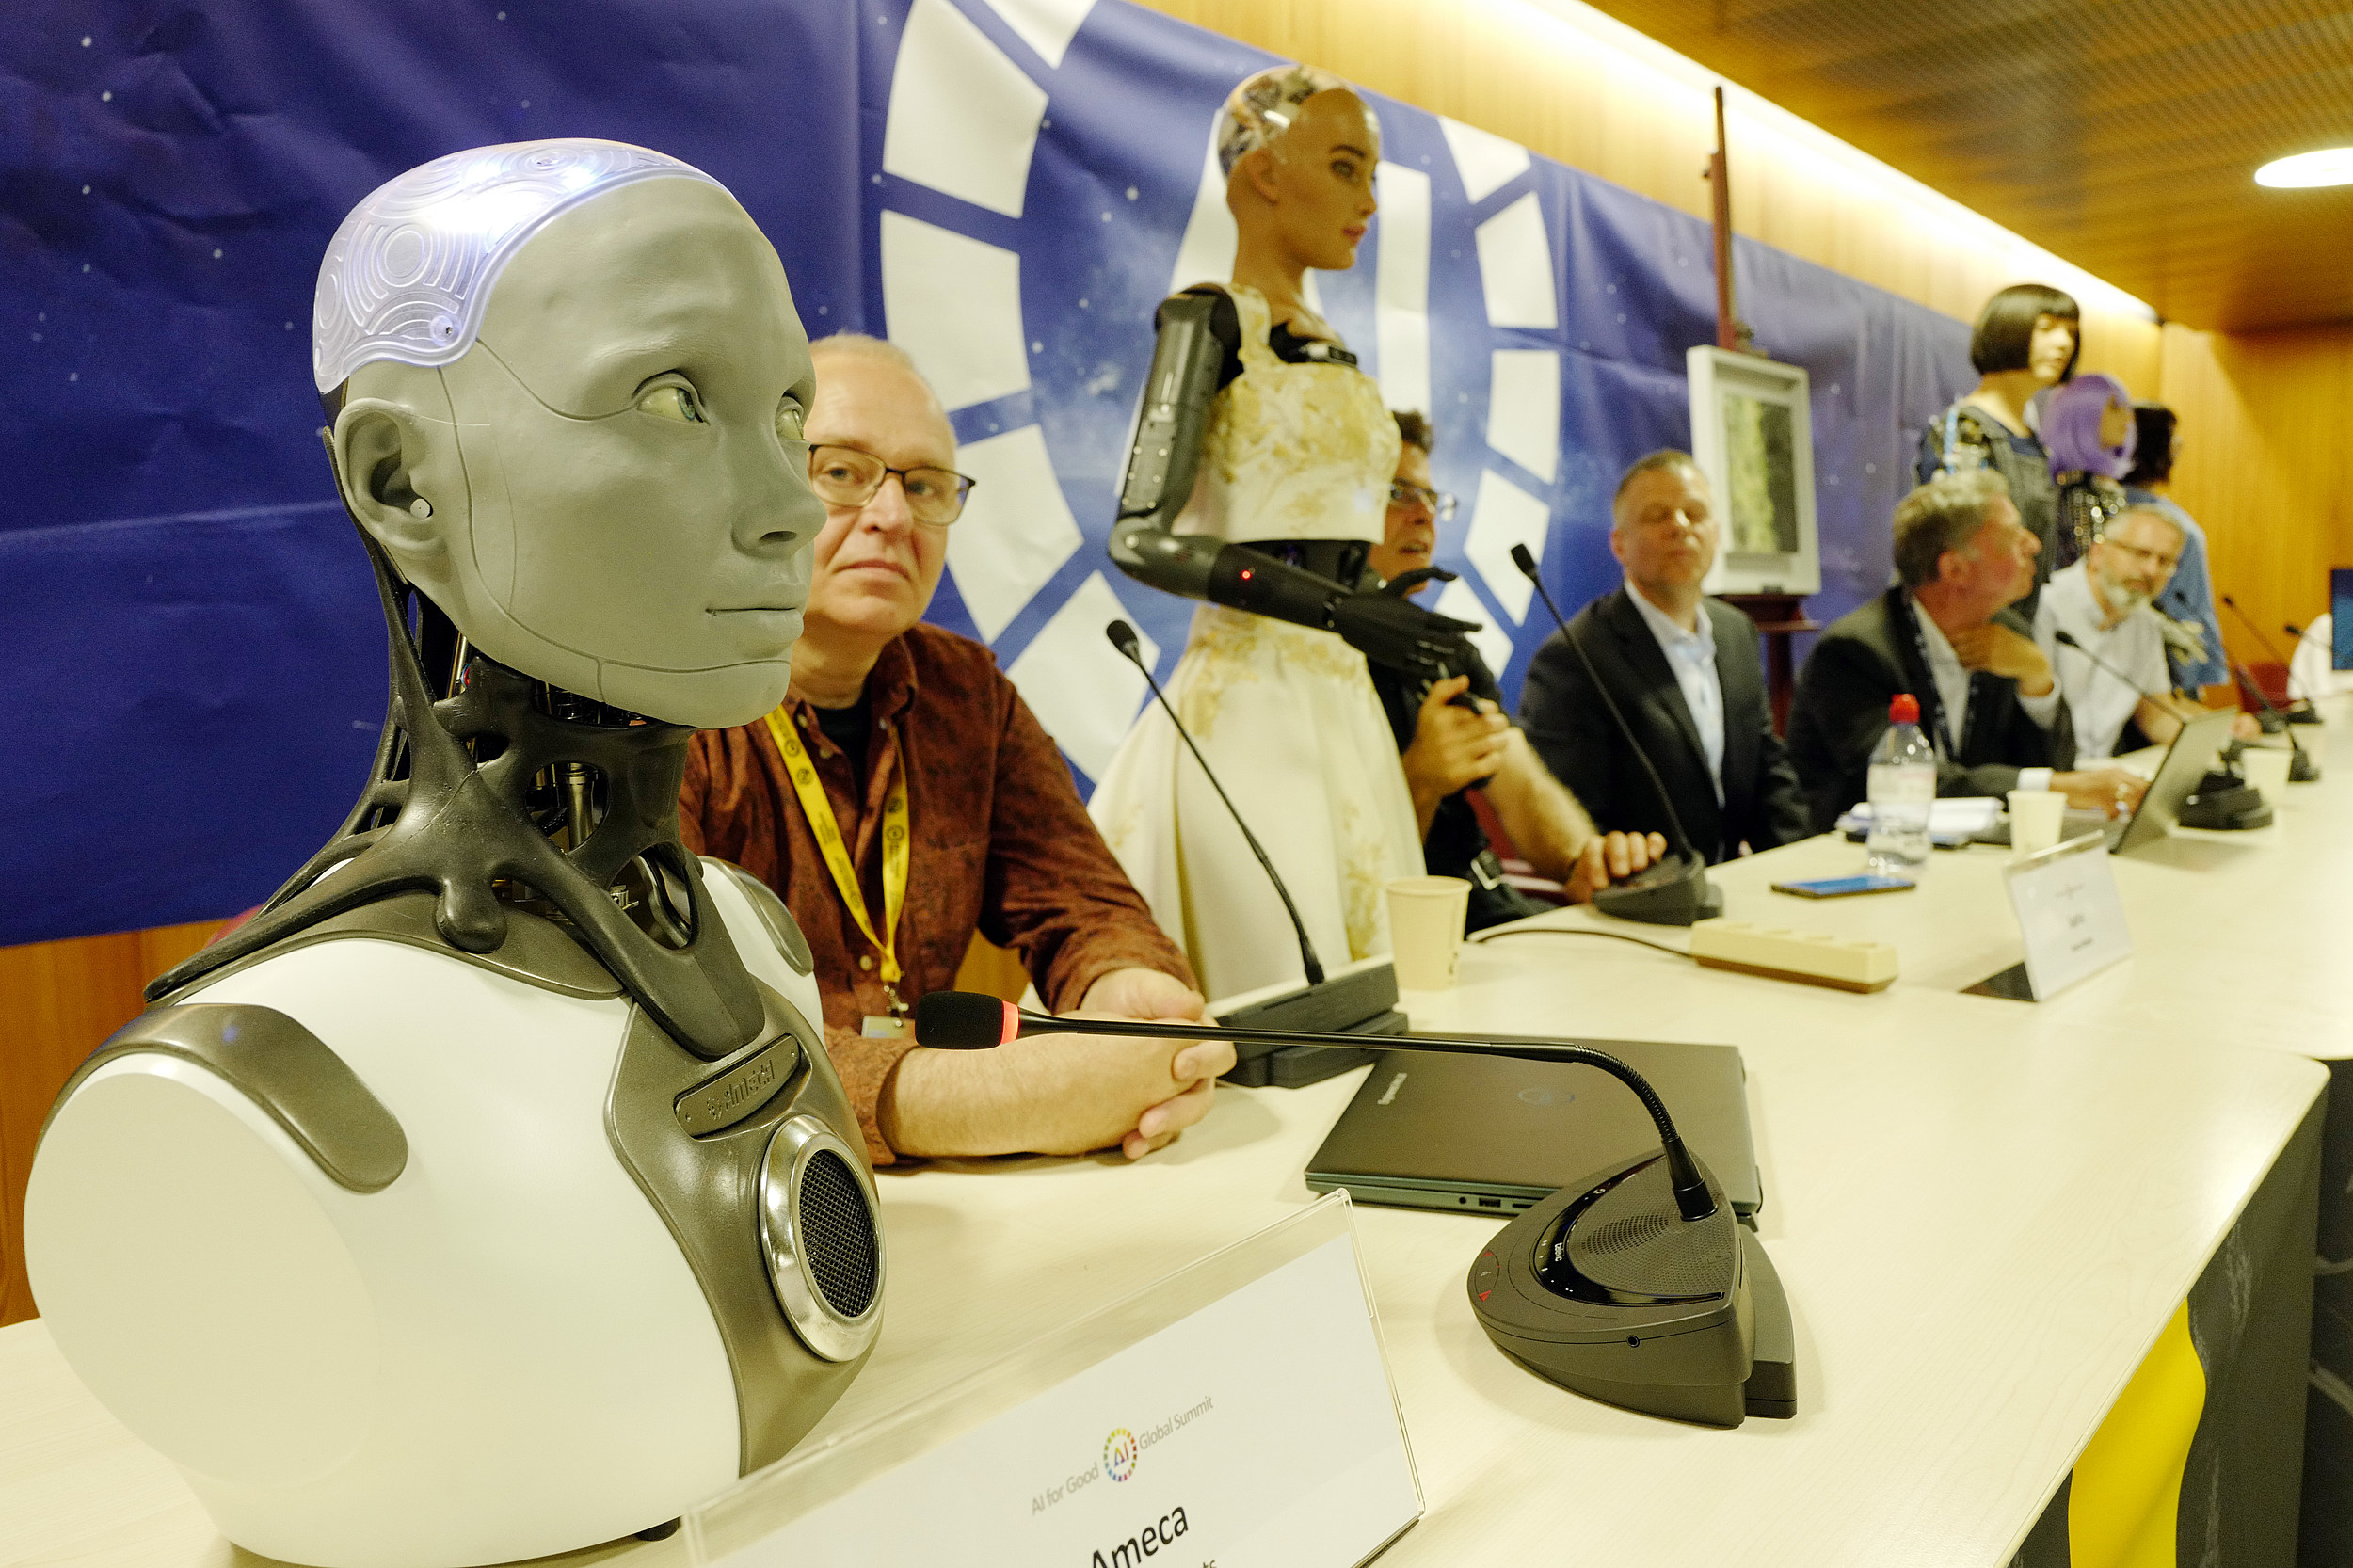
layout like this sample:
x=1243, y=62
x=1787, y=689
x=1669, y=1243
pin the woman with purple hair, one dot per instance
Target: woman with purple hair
x=2087, y=430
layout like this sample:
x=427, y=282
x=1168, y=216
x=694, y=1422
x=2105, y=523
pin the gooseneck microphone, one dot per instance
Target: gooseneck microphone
x=2068, y=639
x=1636, y=1285
x=1123, y=637
x=972, y=1020
x=1674, y=891
x=2304, y=768
x=2299, y=710
x=2218, y=810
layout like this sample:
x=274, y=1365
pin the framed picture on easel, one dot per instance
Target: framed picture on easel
x=1753, y=433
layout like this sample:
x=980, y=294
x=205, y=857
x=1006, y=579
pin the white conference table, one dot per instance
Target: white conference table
x=1984, y=1211
x=2242, y=935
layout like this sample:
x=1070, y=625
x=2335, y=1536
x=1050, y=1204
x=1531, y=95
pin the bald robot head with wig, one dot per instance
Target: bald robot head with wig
x=568, y=381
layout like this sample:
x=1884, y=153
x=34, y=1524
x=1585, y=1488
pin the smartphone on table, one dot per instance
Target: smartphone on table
x=1844, y=887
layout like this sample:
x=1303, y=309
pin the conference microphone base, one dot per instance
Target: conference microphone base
x=1361, y=999
x=2224, y=806
x=1605, y=1290
x=1674, y=891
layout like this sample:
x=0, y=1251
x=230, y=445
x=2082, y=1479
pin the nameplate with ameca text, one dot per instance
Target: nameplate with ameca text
x=1257, y=1430
x=2070, y=914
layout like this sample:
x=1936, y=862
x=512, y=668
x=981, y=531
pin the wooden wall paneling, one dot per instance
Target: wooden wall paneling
x=2265, y=466
x=2122, y=135
x=1514, y=69
x=63, y=1000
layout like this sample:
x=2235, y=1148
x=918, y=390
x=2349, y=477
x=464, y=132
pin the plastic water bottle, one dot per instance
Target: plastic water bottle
x=1903, y=785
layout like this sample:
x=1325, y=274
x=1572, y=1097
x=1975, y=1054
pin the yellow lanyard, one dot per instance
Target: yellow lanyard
x=828, y=832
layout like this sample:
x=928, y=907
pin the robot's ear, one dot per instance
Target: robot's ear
x=379, y=447
x=1254, y=174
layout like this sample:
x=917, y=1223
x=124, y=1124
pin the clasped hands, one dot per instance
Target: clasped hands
x=1456, y=746
x=2000, y=651
x=1140, y=1093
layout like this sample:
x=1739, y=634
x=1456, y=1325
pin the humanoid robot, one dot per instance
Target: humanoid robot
x=1257, y=482
x=490, y=1194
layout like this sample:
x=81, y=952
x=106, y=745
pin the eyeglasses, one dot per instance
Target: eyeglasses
x=1441, y=504
x=845, y=476
x=2159, y=558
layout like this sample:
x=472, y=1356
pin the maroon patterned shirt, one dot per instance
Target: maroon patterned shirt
x=1001, y=845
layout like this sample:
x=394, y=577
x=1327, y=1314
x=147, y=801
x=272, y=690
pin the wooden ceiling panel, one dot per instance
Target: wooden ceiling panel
x=2122, y=135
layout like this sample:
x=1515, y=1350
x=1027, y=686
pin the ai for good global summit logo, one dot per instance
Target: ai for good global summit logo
x=1119, y=1453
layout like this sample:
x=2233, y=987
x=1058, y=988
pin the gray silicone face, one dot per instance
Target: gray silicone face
x=614, y=495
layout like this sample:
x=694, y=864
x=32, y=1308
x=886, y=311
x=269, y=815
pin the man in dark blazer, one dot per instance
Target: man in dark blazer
x=1685, y=673
x=1944, y=634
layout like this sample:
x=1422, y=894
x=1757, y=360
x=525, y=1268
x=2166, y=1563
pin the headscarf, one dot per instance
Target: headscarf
x=2071, y=427
x=1259, y=110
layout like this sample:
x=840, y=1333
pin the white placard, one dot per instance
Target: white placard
x=1259, y=1431
x=2070, y=913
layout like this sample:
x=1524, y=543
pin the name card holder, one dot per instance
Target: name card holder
x=1238, y=1413
x=2071, y=917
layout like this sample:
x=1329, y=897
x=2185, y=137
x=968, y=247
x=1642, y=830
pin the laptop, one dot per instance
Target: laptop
x=2185, y=765
x=1491, y=1134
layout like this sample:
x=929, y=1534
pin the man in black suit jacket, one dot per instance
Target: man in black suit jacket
x=1987, y=700
x=1685, y=673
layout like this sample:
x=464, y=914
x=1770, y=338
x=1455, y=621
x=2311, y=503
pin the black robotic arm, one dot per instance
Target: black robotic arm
x=1197, y=353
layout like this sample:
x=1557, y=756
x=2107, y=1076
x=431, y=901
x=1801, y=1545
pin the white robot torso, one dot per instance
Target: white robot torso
x=511, y=1325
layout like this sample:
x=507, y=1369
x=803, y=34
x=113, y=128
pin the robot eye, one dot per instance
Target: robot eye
x=673, y=401
x=790, y=415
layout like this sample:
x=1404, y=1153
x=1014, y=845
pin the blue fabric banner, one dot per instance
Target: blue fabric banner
x=191, y=664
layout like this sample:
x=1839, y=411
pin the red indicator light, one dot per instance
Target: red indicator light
x=1245, y=574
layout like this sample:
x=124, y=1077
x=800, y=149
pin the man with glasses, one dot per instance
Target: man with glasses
x=1453, y=738
x=1683, y=669
x=904, y=797
x=2103, y=602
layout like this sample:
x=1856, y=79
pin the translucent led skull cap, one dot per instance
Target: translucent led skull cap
x=410, y=272
x=1259, y=110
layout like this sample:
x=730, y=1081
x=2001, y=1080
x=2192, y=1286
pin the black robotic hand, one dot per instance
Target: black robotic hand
x=1395, y=632
x=1404, y=582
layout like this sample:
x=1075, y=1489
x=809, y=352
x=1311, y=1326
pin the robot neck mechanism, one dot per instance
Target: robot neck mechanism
x=511, y=795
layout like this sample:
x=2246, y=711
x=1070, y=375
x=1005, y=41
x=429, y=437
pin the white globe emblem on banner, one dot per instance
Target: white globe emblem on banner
x=964, y=119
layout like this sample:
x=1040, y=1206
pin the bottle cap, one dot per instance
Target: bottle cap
x=1903, y=708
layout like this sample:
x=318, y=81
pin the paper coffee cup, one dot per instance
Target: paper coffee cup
x=2266, y=769
x=2036, y=817
x=1426, y=916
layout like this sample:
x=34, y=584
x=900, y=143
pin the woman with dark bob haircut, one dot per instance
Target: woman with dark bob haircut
x=2026, y=342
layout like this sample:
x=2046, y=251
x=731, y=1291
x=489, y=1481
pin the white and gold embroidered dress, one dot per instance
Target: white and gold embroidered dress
x=1284, y=714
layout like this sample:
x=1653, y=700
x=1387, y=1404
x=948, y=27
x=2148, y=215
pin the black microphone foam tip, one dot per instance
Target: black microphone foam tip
x=2065, y=637
x=1123, y=637
x=1525, y=561
x=965, y=1021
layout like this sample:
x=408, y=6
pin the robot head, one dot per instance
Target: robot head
x=1300, y=149
x=568, y=383
x=1264, y=106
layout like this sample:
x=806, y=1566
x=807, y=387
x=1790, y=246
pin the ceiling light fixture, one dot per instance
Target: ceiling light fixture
x=2331, y=166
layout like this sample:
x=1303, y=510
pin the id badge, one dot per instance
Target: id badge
x=883, y=1026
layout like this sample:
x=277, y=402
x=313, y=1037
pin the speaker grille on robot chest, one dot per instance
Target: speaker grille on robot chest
x=838, y=1234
